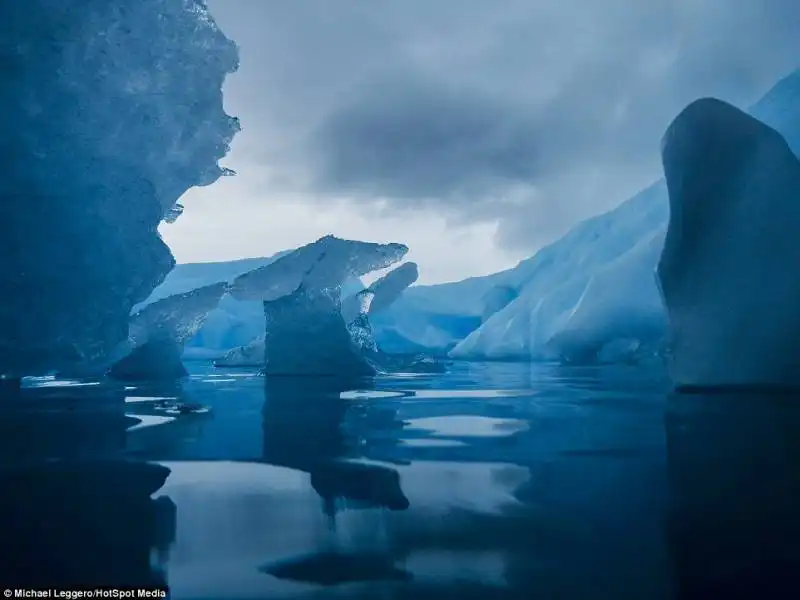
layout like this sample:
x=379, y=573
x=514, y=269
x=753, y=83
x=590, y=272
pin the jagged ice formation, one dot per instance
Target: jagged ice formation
x=110, y=111
x=306, y=333
x=159, y=330
x=324, y=265
x=176, y=317
x=355, y=311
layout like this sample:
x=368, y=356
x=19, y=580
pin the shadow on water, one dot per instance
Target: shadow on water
x=734, y=465
x=74, y=511
x=303, y=429
x=303, y=424
x=84, y=523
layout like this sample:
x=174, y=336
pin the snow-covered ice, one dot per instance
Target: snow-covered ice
x=575, y=293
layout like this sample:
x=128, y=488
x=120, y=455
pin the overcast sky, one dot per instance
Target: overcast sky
x=475, y=131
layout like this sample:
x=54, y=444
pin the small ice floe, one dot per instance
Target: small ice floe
x=371, y=394
x=148, y=421
x=420, y=394
x=468, y=426
x=186, y=408
x=432, y=443
x=150, y=398
x=48, y=383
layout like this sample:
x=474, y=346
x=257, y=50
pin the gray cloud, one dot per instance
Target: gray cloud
x=423, y=142
x=536, y=114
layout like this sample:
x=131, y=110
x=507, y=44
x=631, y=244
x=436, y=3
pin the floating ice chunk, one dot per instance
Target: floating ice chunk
x=148, y=421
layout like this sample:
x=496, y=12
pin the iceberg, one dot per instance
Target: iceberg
x=233, y=323
x=158, y=331
x=110, y=112
x=573, y=294
x=727, y=270
x=306, y=333
x=355, y=310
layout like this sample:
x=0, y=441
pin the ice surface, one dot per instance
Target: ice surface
x=728, y=269
x=569, y=288
x=620, y=301
x=177, y=317
x=306, y=335
x=359, y=309
x=233, y=323
x=158, y=331
x=496, y=299
x=249, y=355
x=389, y=288
x=173, y=213
x=312, y=340
x=556, y=303
x=110, y=111
x=158, y=359
x=325, y=264
x=358, y=325
x=357, y=305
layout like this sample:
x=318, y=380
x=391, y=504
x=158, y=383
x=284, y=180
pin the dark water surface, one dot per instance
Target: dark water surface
x=491, y=481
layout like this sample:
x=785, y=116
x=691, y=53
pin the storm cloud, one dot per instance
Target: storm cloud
x=532, y=114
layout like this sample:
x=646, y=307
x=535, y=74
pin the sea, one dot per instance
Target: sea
x=492, y=480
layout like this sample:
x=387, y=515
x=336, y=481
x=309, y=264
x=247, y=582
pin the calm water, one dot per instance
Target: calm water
x=491, y=481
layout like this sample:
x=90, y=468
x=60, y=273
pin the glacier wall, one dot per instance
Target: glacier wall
x=576, y=291
x=111, y=110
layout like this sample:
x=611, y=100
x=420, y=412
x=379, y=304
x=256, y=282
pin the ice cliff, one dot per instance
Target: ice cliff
x=728, y=268
x=592, y=296
x=111, y=110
